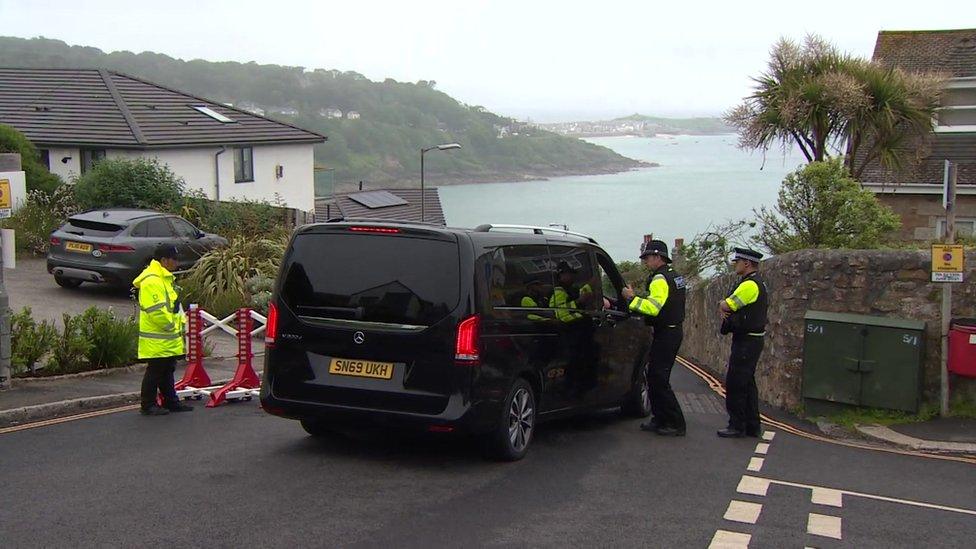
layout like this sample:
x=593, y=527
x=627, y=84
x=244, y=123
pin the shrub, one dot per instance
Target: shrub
x=71, y=347
x=118, y=182
x=29, y=340
x=114, y=340
x=260, y=288
x=217, y=281
x=37, y=176
x=232, y=218
x=41, y=214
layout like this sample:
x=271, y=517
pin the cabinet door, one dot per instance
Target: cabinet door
x=831, y=361
x=891, y=368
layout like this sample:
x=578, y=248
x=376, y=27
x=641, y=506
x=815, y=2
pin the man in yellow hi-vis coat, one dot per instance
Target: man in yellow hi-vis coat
x=160, y=332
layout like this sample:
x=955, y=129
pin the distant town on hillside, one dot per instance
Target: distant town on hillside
x=640, y=125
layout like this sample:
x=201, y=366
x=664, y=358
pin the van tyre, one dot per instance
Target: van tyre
x=67, y=282
x=516, y=427
x=638, y=402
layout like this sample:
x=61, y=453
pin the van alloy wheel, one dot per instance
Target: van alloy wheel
x=645, y=390
x=521, y=418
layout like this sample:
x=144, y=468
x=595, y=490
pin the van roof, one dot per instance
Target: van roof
x=482, y=233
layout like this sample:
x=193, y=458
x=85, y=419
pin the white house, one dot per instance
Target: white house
x=352, y=115
x=78, y=116
x=331, y=112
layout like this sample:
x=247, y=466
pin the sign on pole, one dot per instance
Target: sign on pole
x=6, y=200
x=947, y=263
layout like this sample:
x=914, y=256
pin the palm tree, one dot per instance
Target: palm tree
x=827, y=103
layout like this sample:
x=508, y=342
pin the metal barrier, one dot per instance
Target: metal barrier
x=195, y=383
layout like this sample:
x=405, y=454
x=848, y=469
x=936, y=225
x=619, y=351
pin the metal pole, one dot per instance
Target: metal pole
x=950, y=236
x=5, y=350
x=423, y=201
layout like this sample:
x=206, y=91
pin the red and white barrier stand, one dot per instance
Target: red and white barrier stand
x=195, y=382
x=246, y=383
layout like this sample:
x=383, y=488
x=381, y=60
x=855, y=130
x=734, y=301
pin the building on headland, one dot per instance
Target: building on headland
x=76, y=117
x=352, y=115
x=915, y=194
x=330, y=112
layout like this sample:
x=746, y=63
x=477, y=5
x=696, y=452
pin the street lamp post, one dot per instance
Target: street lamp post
x=423, y=197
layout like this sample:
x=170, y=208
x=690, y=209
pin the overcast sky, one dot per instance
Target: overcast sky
x=547, y=60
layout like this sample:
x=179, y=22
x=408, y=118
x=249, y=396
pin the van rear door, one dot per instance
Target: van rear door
x=367, y=318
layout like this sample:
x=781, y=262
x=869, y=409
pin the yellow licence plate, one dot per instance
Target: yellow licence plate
x=361, y=368
x=77, y=247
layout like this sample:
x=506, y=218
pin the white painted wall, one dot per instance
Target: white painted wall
x=295, y=189
x=65, y=162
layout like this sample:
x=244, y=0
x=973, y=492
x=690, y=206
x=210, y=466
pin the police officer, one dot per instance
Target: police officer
x=664, y=307
x=744, y=316
x=160, y=332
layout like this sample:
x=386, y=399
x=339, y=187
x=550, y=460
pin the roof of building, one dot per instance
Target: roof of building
x=388, y=204
x=102, y=108
x=949, y=51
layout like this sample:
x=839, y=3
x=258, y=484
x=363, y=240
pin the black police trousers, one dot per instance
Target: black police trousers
x=159, y=378
x=664, y=405
x=741, y=394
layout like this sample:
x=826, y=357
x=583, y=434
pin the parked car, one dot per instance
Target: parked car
x=447, y=330
x=113, y=246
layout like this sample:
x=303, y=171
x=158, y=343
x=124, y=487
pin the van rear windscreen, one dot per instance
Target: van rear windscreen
x=371, y=278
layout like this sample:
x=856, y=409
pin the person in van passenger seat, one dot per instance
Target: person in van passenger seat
x=534, y=297
x=564, y=295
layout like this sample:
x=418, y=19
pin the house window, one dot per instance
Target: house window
x=89, y=157
x=243, y=165
x=958, y=110
x=965, y=226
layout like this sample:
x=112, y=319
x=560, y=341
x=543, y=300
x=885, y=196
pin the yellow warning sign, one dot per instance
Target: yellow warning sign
x=5, y=194
x=947, y=263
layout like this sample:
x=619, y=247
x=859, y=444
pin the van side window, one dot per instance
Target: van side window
x=519, y=277
x=576, y=274
x=612, y=283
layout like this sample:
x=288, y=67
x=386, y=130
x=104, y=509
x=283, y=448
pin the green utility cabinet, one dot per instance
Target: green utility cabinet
x=862, y=361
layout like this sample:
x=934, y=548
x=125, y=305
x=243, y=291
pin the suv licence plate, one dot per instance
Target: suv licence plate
x=361, y=368
x=77, y=247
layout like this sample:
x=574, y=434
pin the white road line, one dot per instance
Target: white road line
x=826, y=496
x=762, y=448
x=756, y=464
x=824, y=525
x=768, y=435
x=743, y=511
x=758, y=486
x=724, y=539
x=754, y=486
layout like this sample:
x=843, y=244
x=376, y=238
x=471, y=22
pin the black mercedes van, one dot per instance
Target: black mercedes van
x=487, y=331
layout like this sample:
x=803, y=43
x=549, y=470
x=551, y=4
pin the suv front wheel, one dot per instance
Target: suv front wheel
x=513, y=433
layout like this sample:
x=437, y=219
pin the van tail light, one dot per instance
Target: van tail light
x=271, y=325
x=113, y=248
x=384, y=230
x=466, y=346
x=55, y=241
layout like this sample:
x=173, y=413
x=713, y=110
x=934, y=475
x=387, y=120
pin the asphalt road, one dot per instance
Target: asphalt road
x=234, y=476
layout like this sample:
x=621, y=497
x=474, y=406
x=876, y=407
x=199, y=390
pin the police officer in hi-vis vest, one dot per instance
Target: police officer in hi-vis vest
x=664, y=309
x=744, y=316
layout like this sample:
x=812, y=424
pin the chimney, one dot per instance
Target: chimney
x=678, y=242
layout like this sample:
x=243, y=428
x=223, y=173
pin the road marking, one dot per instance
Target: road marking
x=76, y=417
x=762, y=448
x=724, y=539
x=768, y=435
x=754, y=486
x=824, y=525
x=715, y=385
x=743, y=511
x=826, y=496
x=755, y=464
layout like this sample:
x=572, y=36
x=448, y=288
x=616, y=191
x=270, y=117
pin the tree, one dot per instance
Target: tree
x=710, y=250
x=119, y=182
x=821, y=206
x=824, y=102
x=37, y=176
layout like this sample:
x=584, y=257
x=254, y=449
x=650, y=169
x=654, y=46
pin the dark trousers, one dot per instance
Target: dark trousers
x=741, y=394
x=664, y=405
x=159, y=379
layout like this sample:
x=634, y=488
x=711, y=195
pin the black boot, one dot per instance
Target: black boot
x=670, y=432
x=179, y=407
x=729, y=432
x=154, y=411
x=650, y=425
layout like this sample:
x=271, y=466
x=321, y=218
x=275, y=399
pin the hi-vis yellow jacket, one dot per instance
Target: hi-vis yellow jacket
x=160, y=324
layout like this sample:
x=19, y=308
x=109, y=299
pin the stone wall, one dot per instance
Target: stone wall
x=872, y=282
x=920, y=214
